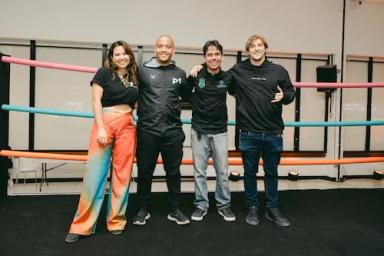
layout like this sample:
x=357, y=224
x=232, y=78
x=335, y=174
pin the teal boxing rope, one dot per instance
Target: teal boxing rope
x=186, y=121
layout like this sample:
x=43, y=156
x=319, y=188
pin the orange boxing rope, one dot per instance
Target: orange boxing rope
x=232, y=161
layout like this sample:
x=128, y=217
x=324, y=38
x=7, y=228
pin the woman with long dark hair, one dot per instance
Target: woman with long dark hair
x=113, y=136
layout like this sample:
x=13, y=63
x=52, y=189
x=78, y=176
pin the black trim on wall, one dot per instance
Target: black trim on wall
x=369, y=105
x=296, y=136
x=139, y=59
x=375, y=153
x=4, y=99
x=65, y=47
x=104, y=54
x=328, y=96
x=239, y=56
x=341, y=89
x=32, y=95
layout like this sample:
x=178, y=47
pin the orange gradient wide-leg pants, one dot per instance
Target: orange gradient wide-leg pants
x=121, y=132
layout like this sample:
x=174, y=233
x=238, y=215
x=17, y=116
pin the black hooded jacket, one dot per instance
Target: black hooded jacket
x=255, y=88
x=160, y=92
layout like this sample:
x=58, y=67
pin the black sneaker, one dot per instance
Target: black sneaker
x=72, y=238
x=116, y=232
x=275, y=215
x=198, y=214
x=251, y=217
x=227, y=214
x=178, y=217
x=141, y=217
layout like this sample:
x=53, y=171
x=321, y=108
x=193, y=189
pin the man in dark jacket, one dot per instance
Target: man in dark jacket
x=262, y=87
x=159, y=128
x=209, y=131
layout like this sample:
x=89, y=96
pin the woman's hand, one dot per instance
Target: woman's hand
x=102, y=137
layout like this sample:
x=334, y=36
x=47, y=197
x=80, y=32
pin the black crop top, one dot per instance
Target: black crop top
x=114, y=91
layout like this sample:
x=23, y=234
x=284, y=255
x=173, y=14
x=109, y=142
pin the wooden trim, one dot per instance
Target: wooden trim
x=320, y=154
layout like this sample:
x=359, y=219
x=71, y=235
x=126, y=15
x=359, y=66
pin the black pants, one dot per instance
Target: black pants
x=170, y=145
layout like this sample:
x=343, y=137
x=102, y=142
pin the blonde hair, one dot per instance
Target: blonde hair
x=254, y=38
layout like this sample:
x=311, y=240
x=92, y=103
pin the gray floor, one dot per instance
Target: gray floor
x=188, y=186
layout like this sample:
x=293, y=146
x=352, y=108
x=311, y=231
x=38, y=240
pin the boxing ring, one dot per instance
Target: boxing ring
x=233, y=161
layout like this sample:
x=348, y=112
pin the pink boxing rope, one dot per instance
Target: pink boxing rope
x=337, y=85
x=45, y=64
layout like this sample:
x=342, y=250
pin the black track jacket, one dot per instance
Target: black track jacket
x=160, y=92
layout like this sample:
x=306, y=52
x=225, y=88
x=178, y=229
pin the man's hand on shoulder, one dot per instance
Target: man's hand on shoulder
x=195, y=70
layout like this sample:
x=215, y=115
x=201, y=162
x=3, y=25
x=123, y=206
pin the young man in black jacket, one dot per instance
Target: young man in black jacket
x=262, y=87
x=159, y=129
x=209, y=131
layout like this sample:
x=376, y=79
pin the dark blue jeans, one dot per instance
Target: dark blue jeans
x=268, y=147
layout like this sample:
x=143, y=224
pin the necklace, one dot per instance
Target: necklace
x=124, y=80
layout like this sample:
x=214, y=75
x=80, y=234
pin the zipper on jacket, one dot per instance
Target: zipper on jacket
x=164, y=99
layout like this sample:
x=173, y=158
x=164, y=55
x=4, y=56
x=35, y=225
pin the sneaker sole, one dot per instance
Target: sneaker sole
x=73, y=240
x=277, y=223
x=252, y=223
x=143, y=222
x=226, y=218
x=116, y=232
x=198, y=218
x=177, y=221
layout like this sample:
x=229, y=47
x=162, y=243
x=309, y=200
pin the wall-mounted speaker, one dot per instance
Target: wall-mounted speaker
x=326, y=74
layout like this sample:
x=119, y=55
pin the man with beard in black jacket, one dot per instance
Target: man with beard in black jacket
x=262, y=87
x=159, y=129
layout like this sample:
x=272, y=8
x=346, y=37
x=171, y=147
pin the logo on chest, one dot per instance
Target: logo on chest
x=201, y=83
x=259, y=78
x=176, y=80
x=221, y=84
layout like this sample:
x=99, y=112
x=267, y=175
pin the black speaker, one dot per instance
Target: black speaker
x=326, y=74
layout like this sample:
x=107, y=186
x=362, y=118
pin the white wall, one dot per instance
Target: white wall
x=304, y=25
x=290, y=25
x=365, y=28
x=364, y=36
